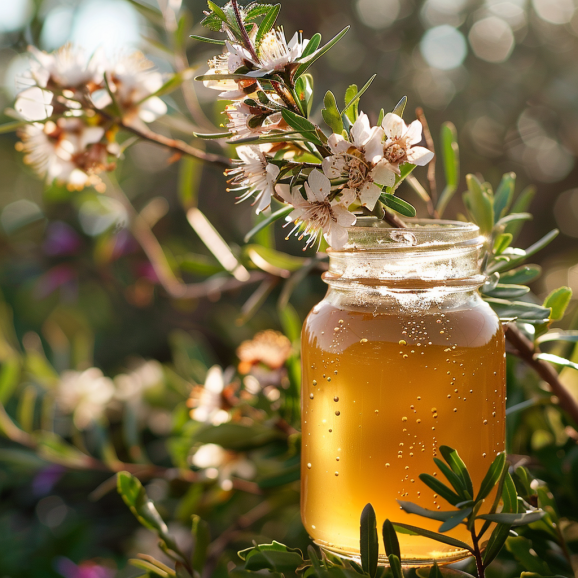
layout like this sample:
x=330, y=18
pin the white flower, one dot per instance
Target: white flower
x=63, y=150
x=132, y=386
x=84, y=395
x=360, y=161
x=34, y=103
x=234, y=57
x=256, y=174
x=67, y=68
x=398, y=148
x=133, y=79
x=275, y=54
x=207, y=401
x=240, y=116
x=318, y=213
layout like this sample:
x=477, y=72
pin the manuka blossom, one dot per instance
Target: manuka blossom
x=67, y=151
x=85, y=395
x=322, y=212
x=244, y=121
x=400, y=140
x=208, y=402
x=275, y=54
x=132, y=80
x=360, y=162
x=254, y=174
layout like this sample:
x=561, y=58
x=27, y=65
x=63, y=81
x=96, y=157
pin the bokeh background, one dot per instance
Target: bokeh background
x=504, y=72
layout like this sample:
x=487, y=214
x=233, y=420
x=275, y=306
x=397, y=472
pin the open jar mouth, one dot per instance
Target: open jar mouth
x=427, y=253
x=373, y=234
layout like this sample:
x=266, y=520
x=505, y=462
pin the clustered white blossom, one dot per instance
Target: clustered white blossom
x=354, y=166
x=68, y=134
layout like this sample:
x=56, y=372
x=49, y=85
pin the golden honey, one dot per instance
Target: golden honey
x=388, y=378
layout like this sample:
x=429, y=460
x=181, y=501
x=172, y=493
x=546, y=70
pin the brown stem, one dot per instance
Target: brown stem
x=478, y=556
x=175, y=145
x=526, y=351
x=431, y=169
x=248, y=44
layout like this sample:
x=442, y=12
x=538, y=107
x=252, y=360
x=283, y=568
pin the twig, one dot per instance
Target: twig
x=173, y=144
x=431, y=170
x=248, y=44
x=526, y=351
x=478, y=556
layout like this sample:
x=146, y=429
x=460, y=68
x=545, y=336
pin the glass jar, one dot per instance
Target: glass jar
x=401, y=357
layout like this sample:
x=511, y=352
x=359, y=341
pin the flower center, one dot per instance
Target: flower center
x=357, y=174
x=395, y=153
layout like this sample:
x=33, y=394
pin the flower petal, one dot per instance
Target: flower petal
x=413, y=133
x=419, y=156
x=360, y=131
x=393, y=126
x=337, y=143
x=333, y=166
x=343, y=217
x=347, y=197
x=368, y=195
x=384, y=174
x=374, y=146
x=318, y=185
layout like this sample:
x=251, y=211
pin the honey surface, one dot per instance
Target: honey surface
x=381, y=394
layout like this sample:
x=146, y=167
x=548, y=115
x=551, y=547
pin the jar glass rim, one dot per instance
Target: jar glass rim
x=373, y=234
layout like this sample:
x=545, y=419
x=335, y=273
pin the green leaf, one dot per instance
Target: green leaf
x=302, y=126
x=202, y=538
x=519, y=519
x=455, y=520
x=353, y=111
x=369, y=546
x=453, y=459
x=213, y=136
x=441, y=489
x=507, y=291
x=556, y=360
x=452, y=478
x=492, y=476
x=451, y=159
x=480, y=205
x=267, y=23
x=353, y=103
x=395, y=566
x=502, y=242
x=435, y=572
x=256, y=10
x=543, y=242
x=217, y=11
x=307, y=61
x=399, y=108
x=518, y=310
x=504, y=195
x=522, y=550
x=521, y=275
x=558, y=301
x=415, y=531
x=304, y=92
x=311, y=47
x=331, y=114
x=275, y=557
x=501, y=531
x=513, y=218
x=397, y=204
x=135, y=497
x=238, y=437
x=280, y=214
x=571, y=336
x=207, y=40
x=521, y=205
x=439, y=515
x=9, y=378
x=274, y=262
x=390, y=540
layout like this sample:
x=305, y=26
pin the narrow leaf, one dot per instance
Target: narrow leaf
x=390, y=540
x=368, y=540
x=520, y=519
x=267, y=23
x=556, y=360
x=207, y=40
x=504, y=195
x=451, y=159
x=356, y=98
x=399, y=108
x=441, y=489
x=455, y=520
x=395, y=566
x=453, y=459
x=558, y=301
x=399, y=205
x=491, y=478
x=439, y=515
x=415, y=531
x=307, y=61
x=280, y=214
